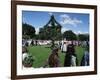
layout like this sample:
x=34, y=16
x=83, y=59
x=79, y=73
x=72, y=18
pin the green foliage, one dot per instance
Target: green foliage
x=69, y=35
x=28, y=61
x=28, y=31
x=83, y=37
x=52, y=30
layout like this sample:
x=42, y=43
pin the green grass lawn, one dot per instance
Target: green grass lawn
x=79, y=51
x=41, y=54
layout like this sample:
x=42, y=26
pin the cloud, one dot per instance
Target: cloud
x=50, y=13
x=80, y=32
x=66, y=19
x=37, y=30
x=64, y=29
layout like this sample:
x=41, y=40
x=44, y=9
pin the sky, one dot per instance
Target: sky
x=77, y=22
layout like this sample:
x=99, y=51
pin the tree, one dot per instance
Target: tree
x=69, y=35
x=42, y=34
x=51, y=31
x=28, y=30
x=83, y=37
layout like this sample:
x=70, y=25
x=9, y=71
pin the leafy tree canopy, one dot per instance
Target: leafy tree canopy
x=28, y=30
x=69, y=35
x=83, y=37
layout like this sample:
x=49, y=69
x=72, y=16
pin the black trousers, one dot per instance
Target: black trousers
x=67, y=61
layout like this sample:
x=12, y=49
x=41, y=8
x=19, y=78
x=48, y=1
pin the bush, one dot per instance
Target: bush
x=28, y=61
